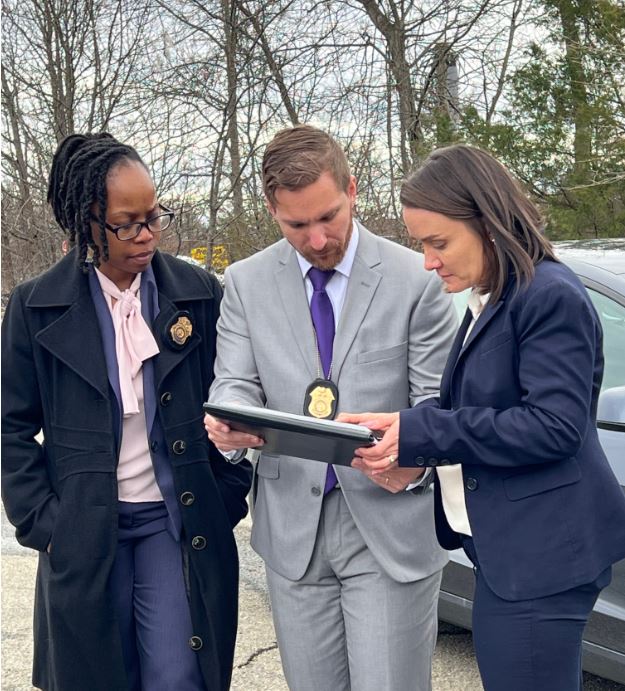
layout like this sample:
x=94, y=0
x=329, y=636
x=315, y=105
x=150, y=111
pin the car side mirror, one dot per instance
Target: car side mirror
x=611, y=406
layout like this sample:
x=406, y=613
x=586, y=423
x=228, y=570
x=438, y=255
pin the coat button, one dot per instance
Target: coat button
x=419, y=460
x=445, y=461
x=179, y=446
x=154, y=446
x=198, y=542
x=315, y=491
x=195, y=643
x=471, y=484
x=433, y=462
x=166, y=398
x=187, y=498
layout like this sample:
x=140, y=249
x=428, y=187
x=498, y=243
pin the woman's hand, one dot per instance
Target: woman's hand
x=374, y=421
x=394, y=480
x=382, y=456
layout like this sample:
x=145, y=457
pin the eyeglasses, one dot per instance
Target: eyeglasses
x=156, y=224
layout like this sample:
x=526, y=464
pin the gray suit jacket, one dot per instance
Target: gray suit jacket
x=390, y=348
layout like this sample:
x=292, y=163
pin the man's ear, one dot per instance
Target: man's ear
x=271, y=209
x=352, y=189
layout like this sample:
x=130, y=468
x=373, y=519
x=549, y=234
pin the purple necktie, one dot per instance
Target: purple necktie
x=323, y=321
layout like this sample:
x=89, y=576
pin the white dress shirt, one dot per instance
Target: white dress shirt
x=336, y=287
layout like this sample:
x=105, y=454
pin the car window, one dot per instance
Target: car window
x=612, y=316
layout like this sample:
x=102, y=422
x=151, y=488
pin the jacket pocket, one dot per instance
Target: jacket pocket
x=383, y=354
x=490, y=344
x=84, y=527
x=268, y=466
x=542, y=479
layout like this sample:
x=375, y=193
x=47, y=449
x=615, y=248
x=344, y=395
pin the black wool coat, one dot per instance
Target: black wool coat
x=64, y=491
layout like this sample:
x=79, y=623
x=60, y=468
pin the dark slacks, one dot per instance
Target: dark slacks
x=531, y=645
x=151, y=603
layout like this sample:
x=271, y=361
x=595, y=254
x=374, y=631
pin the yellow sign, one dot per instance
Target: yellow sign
x=220, y=257
x=219, y=260
x=199, y=254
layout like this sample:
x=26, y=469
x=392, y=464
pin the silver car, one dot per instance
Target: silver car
x=600, y=264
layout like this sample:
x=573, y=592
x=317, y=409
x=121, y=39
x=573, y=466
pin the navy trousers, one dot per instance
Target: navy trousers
x=531, y=645
x=151, y=603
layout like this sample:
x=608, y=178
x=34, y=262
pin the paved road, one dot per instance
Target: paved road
x=257, y=661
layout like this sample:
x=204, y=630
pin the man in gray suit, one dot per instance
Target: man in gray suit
x=352, y=561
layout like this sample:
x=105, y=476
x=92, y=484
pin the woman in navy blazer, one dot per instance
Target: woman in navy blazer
x=522, y=482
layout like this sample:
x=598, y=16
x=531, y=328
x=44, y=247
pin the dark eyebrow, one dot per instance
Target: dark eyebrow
x=325, y=214
x=132, y=215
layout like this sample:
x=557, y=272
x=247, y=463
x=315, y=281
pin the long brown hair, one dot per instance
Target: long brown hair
x=467, y=183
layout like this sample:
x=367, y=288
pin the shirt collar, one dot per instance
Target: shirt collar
x=106, y=282
x=345, y=265
x=476, y=302
x=148, y=291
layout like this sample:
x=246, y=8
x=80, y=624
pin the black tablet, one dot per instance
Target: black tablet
x=288, y=434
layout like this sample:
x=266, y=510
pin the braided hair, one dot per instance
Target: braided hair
x=78, y=176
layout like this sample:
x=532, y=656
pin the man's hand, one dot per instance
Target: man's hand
x=393, y=480
x=226, y=439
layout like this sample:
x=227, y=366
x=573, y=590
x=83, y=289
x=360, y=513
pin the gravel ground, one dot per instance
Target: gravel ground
x=257, y=661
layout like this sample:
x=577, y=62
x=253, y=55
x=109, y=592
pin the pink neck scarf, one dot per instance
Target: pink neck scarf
x=134, y=341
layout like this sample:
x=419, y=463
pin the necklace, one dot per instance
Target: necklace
x=322, y=395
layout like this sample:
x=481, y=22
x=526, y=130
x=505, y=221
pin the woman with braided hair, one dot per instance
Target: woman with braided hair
x=109, y=353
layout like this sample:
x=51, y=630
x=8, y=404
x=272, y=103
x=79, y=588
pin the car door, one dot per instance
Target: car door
x=604, y=636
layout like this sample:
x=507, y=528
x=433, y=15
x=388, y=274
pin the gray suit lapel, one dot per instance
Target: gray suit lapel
x=290, y=286
x=362, y=285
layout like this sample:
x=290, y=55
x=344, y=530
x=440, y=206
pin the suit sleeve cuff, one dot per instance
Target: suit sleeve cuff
x=234, y=456
x=423, y=481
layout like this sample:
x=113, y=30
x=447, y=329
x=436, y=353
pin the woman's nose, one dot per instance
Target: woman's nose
x=145, y=235
x=431, y=261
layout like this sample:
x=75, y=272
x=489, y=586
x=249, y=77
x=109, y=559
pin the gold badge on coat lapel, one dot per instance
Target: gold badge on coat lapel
x=179, y=330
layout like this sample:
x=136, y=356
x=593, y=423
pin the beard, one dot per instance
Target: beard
x=333, y=253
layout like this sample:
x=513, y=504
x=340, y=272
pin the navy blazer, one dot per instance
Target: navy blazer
x=518, y=410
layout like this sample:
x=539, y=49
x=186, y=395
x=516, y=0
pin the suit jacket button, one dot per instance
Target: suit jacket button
x=432, y=461
x=315, y=491
x=166, y=398
x=198, y=542
x=154, y=446
x=471, y=484
x=445, y=461
x=179, y=446
x=187, y=498
x=195, y=642
x=419, y=460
